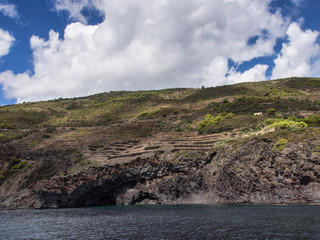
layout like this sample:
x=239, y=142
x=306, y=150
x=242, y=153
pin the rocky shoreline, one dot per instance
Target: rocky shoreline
x=253, y=173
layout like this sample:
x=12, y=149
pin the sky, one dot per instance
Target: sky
x=72, y=48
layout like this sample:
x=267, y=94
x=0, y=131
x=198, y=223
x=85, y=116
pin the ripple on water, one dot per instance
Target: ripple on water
x=164, y=222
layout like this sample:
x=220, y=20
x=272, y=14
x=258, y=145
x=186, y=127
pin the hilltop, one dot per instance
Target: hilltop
x=245, y=143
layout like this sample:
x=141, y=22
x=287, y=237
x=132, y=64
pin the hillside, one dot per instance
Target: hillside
x=245, y=143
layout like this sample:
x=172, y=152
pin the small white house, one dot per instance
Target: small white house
x=258, y=114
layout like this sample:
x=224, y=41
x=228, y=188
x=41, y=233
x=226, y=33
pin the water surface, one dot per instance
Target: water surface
x=164, y=222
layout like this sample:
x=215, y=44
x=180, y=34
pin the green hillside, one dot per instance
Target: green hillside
x=171, y=110
x=43, y=141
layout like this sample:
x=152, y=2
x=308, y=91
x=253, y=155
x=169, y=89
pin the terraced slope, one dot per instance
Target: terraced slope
x=162, y=145
x=166, y=146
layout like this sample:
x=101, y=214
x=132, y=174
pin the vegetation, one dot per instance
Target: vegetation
x=287, y=98
x=209, y=123
x=65, y=133
x=312, y=121
x=281, y=144
x=284, y=124
x=271, y=111
x=5, y=125
x=288, y=106
x=15, y=165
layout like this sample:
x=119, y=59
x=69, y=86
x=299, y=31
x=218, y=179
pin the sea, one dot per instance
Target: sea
x=164, y=222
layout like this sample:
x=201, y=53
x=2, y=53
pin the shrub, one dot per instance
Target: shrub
x=209, y=124
x=271, y=111
x=229, y=115
x=144, y=115
x=179, y=129
x=287, y=124
x=296, y=118
x=245, y=129
x=219, y=129
x=313, y=120
x=218, y=119
x=16, y=165
x=50, y=129
x=45, y=136
x=270, y=121
x=72, y=105
x=22, y=165
x=281, y=144
x=148, y=115
x=215, y=106
x=5, y=125
x=208, y=121
x=223, y=114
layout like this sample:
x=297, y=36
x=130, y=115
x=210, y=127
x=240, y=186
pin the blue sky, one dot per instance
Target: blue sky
x=60, y=48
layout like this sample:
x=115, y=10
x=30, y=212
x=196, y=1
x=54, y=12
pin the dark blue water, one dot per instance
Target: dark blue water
x=164, y=222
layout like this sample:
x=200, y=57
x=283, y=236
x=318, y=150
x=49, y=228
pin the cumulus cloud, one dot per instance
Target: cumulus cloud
x=257, y=73
x=74, y=8
x=219, y=71
x=300, y=57
x=149, y=44
x=9, y=10
x=6, y=41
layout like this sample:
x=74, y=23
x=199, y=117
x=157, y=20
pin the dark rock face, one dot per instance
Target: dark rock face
x=254, y=173
x=139, y=182
x=258, y=174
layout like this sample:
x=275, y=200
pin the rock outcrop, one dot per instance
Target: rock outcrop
x=249, y=173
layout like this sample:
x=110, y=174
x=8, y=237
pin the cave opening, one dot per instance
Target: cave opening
x=103, y=195
x=96, y=198
x=305, y=180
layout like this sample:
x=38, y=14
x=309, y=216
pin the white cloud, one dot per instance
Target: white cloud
x=300, y=57
x=74, y=7
x=257, y=73
x=6, y=40
x=218, y=70
x=148, y=44
x=9, y=10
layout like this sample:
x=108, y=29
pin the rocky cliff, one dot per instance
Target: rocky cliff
x=250, y=173
x=245, y=143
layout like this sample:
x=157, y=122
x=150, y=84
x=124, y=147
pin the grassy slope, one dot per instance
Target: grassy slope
x=101, y=118
x=288, y=96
